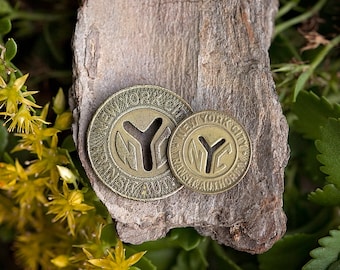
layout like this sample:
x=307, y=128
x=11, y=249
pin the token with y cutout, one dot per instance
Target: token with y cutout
x=209, y=152
x=127, y=141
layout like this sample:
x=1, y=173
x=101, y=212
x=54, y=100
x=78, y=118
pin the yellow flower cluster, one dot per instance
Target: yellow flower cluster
x=117, y=259
x=18, y=105
x=57, y=217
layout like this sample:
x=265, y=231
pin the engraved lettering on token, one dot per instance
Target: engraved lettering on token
x=127, y=141
x=209, y=152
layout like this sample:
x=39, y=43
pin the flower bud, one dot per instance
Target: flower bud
x=60, y=261
x=66, y=174
x=63, y=121
x=59, y=102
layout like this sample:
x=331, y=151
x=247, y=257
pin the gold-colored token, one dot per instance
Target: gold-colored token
x=127, y=141
x=209, y=152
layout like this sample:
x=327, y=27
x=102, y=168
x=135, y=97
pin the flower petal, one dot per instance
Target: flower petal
x=19, y=83
x=119, y=252
x=104, y=263
x=2, y=83
x=135, y=258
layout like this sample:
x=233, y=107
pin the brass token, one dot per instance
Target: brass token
x=209, y=152
x=127, y=141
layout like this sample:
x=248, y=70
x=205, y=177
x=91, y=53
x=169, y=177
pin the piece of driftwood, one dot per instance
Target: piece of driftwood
x=213, y=54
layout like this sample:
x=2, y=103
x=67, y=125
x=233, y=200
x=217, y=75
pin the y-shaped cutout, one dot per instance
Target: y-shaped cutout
x=145, y=139
x=210, y=151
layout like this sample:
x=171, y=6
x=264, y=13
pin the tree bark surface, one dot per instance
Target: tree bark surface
x=215, y=55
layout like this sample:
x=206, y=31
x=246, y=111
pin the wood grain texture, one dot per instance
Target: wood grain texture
x=213, y=54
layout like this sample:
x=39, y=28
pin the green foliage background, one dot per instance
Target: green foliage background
x=35, y=38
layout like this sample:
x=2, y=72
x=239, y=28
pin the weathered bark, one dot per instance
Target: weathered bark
x=213, y=54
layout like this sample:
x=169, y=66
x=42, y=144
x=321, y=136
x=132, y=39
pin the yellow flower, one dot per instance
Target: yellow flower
x=34, y=142
x=28, y=190
x=9, y=212
x=65, y=205
x=11, y=95
x=23, y=121
x=47, y=165
x=29, y=250
x=25, y=189
x=60, y=261
x=36, y=247
x=117, y=261
x=94, y=247
x=10, y=174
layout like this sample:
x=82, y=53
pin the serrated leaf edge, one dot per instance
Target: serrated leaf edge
x=325, y=246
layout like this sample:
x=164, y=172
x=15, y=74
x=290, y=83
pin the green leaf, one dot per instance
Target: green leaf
x=300, y=83
x=329, y=195
x=5, y=7
x=144, y=263
x=163, y=259
x=187, y=238
x=3, y=138
x=5, y=26
x=327, y=255
x=193, y=260
x=291, y=252
x=313, y=113
x=108, y=235
x=334, y=266
x=329, y=147
x=8, y=159
x=11, y=49
x=7, y=234
x=228, y=262
x=68, y=144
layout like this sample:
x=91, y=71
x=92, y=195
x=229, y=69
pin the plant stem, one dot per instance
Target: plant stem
x=304, y=16
x=301, y=81
x=220, y=253
x=286, y=8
